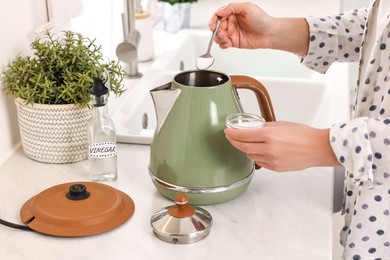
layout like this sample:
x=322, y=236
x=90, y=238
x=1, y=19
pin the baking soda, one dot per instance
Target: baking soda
x=247, y=124
x=204, y=63
x=244, y=121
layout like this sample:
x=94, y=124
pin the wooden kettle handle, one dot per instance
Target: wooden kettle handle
x=263, y=98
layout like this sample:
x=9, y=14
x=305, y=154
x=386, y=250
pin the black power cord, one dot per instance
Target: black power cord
x=16, y=226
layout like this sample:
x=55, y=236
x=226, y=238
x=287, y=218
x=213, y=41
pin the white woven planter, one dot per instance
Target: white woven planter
x=53, y=133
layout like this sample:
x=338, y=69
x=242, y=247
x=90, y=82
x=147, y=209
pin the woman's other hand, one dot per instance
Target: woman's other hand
x=284, y=146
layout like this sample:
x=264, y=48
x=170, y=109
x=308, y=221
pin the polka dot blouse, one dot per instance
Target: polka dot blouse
x=362, y=144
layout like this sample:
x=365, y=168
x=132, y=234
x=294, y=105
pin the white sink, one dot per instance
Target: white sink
x=297, y=93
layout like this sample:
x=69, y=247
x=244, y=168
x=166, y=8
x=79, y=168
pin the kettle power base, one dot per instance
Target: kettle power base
x=77, y=209
x=203, y=196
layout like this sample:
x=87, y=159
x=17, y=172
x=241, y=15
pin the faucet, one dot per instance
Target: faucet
x=127, y=51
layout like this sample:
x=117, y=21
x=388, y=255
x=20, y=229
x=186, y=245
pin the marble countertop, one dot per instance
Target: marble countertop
x=280, y=215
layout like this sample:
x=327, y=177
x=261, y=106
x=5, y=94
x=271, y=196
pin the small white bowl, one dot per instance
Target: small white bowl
x=244, y=121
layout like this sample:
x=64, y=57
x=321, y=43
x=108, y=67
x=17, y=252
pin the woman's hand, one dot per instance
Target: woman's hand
x=243, y=25
x=246, y=25
x=284, y=146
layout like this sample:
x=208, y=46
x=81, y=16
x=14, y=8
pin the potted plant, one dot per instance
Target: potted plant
x=176, y=14
x=51, y=91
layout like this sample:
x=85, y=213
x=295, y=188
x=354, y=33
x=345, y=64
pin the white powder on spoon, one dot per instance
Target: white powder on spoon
x=204, y=63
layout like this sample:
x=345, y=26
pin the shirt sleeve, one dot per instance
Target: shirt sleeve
x=335, y=38
x=362, y=146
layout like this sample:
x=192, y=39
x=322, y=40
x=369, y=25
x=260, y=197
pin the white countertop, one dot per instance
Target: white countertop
x=280, y=216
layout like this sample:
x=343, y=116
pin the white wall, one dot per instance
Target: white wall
x=18, y=19
x=352, y=4
x=100, y=20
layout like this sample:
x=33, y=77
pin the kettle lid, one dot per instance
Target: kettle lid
x=181, y=223
x=77, y=209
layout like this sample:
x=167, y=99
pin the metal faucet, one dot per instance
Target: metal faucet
x=127, y=51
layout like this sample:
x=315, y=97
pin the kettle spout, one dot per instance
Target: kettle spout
x=164, y=97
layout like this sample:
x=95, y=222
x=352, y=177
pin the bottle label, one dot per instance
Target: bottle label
x=102, y=150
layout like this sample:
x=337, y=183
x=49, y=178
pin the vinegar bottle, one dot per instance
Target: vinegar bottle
x=101, y=137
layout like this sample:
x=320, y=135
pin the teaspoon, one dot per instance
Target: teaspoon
x=206, y=60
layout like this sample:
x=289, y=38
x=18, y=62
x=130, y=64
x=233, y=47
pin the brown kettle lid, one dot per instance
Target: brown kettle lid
x=77, y=209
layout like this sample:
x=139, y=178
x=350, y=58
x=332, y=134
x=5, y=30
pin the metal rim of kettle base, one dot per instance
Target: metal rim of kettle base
x=181, y=223
x=201, y=190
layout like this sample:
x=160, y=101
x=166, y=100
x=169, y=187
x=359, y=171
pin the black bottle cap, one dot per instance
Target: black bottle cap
x=98, y=89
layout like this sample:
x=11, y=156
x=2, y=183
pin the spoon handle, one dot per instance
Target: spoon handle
x=213, y=35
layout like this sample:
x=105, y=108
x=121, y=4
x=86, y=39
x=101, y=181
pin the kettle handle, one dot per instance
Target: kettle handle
x=263, y=98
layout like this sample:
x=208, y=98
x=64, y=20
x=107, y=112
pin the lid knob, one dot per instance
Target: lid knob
x=181, y=199
x=181, y=223
x=77, y=192
x=181, y=209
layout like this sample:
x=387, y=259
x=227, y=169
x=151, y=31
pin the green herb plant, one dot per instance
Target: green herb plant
x=172, y=2
x=60, y=71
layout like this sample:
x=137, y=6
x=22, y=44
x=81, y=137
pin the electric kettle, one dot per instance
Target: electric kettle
x=189, y=151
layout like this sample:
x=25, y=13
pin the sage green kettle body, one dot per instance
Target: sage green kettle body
x=189, y=151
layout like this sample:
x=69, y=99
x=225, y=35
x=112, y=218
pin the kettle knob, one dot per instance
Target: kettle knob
x=181, y=209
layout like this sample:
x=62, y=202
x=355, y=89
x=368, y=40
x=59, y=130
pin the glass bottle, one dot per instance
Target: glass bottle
x=101, y=137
